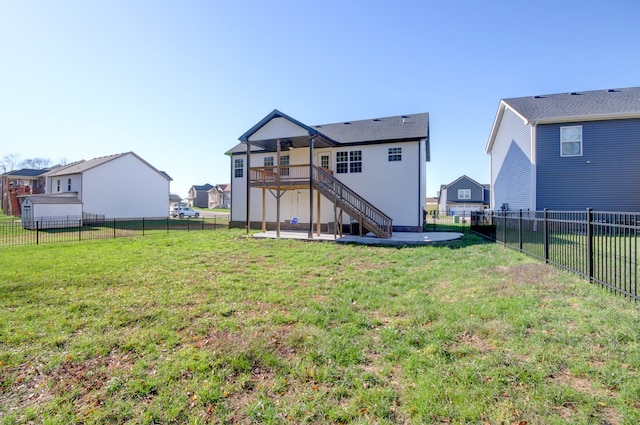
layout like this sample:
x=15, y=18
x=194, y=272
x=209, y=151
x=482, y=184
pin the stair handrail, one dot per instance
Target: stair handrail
x=361, y=206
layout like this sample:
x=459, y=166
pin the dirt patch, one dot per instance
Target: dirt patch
x=583, y=385
x=536, y=274
x=33, y=386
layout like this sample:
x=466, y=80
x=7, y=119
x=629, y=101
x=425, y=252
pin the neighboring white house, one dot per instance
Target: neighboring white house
x=369, y=171
x=116, y=186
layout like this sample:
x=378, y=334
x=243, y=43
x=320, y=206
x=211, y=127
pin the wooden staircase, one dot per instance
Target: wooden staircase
x=356, y=206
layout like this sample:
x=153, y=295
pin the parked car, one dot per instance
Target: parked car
x=185, y=212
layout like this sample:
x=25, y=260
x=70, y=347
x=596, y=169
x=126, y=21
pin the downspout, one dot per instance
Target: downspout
x=534, y=183
x=248, y=177
x=278, y=188
x=420, y=183
x=311, y=140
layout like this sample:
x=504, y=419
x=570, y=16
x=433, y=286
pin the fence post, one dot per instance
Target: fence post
x=520, y=230
x=590, y=244
x=546, y=235
x=504, y=228
x=114, y=228
x=37, y=232
x=167, y=224
x=79, y=230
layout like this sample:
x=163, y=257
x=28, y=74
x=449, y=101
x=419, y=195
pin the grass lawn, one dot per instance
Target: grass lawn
x=211, y=327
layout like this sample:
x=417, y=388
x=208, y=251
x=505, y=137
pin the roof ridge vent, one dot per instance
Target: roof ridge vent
x=539, y=97
x=377, y=119
x=575, y=93
x=347, y=122
x=613, y=91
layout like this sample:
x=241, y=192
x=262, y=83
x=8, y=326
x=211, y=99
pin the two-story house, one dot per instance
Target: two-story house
x=115, y=186
x=371, y=172
x=462, y=196
x=199, y=196
x=568, y=151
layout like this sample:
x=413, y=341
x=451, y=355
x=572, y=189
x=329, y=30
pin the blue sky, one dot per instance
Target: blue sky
x=178, y=82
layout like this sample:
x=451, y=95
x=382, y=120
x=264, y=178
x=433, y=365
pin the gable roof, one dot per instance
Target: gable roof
x=396, y=128
x=461, y=178
x=202, y=187
x=567, y=107
x=81, y=166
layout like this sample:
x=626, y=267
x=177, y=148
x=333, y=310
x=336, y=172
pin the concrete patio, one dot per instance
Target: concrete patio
x=398, y=238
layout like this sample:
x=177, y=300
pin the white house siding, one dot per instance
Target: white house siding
x=393, y=187
x=125, y=187
x=512, y=164
x=76, y=184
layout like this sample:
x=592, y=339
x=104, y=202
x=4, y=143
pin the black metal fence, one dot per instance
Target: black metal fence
x=36, y=232
x=438, y=221
x=600, y=246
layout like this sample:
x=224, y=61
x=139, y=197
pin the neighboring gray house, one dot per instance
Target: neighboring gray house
x=462, y=196
x=568, y=151
x=199, y=196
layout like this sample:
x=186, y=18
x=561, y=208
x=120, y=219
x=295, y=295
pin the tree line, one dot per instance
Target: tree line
x=13, y=161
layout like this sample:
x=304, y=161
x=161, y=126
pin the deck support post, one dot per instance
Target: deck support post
x=318, y=213
x=278, y=188
x=264, y=210
x=311, y=187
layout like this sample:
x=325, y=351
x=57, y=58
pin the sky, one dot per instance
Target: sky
x=177, y=82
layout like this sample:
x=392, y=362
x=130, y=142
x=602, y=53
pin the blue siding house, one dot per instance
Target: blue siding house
x=568, y=151
x=462, y=196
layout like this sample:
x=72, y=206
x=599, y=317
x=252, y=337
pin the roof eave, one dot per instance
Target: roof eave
x=575, y=118
x=496, y=123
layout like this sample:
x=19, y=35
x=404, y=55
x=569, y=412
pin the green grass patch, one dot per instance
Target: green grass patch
x=214, y=327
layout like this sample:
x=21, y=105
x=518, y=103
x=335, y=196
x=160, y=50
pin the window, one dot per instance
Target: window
x=268, y=161
x=349, y=162
x=238, y=166
x=324, y=161
x=284, y=162
x=464, y=193
x=571, y=141
x=69, y=185
x=395, y=154
x=58, y=184
x=355, y=161
x=342, y=162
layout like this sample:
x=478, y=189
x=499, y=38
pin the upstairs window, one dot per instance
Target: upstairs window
x=355, y=161
x=238, y=167
x=349, y=162
x=571, y=141
x=395, y=154
x=284, y=164
x=69, y=185
x=464, y=193
x=58, y=185
x=268, y=161
x=342, y=162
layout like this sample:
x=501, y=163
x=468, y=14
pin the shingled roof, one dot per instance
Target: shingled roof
x=400, y=127
x=586, y=105
x=570, y=107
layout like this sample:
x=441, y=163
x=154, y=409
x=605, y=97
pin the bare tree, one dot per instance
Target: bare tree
x=9, y=162
x=36, y=163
